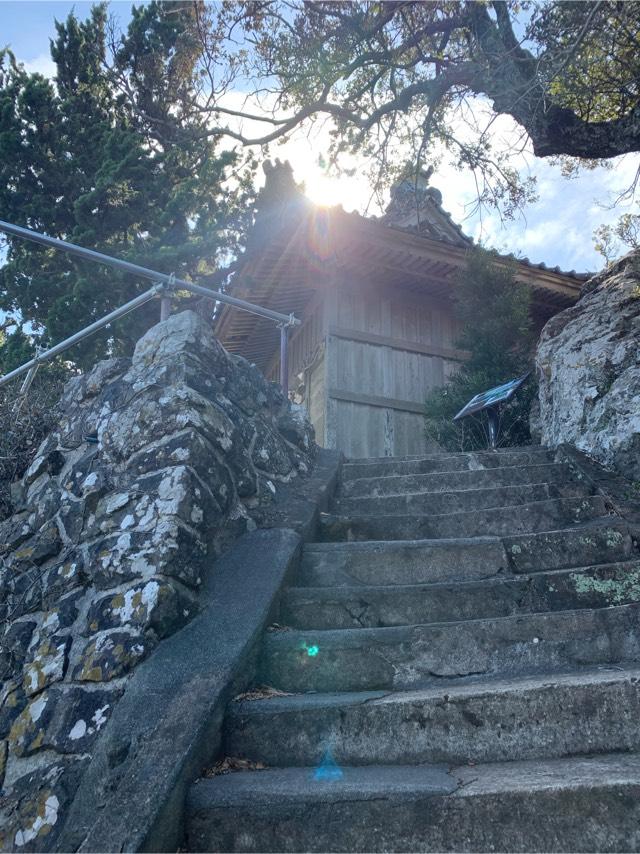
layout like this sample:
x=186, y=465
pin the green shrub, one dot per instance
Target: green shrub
x=493, y=309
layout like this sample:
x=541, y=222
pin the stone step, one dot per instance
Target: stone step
x=561, y=805
x=386, y=466
x=448, y=560
x=414, y=604
x=458, y=501
x=409, y=657
x=405, y=484
x=497, y=521
x=592, y=711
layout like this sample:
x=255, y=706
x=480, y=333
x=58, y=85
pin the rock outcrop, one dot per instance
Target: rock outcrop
x=158, y=463
x=588, y=365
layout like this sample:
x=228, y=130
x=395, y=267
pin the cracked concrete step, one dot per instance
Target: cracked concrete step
x=497, y=521
x=404, y=484
x=436, y=455
x=591, y=711
x=386, y=466
x=408, y=657
x=455, y=501
x=577, y=804
x=427, y=561
x=504, y=596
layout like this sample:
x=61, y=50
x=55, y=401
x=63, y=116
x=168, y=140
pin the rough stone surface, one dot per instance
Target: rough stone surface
x=462, y=692
x=588, y=364
x=414, y=604
x=157, y=465
x=494, y=521
x=167, y=725
x=581, y=804
x=499, y=720
x=402, y=658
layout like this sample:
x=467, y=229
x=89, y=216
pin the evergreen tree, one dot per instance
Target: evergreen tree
x=78, y=162
x=16, y=348
x=494, y=312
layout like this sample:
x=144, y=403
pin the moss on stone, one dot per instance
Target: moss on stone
x=623, y=588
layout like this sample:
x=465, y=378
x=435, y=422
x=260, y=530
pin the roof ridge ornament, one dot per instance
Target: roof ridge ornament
x=416, y=206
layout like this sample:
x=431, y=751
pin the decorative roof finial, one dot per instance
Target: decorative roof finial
x=417, y=206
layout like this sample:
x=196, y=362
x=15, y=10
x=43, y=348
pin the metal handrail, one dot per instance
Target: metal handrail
x=165, y=286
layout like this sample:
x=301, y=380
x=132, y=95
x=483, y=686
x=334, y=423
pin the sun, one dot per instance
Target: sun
x=352, y=191
x=324, y=190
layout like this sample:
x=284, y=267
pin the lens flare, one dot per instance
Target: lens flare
x=328, y=769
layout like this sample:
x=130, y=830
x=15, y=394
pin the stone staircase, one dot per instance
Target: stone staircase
x=459, y=670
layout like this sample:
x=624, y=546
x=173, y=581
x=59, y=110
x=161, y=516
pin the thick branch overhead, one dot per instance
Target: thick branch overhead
x=567, y=73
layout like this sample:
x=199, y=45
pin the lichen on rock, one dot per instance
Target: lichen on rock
x=588, y=364
x=158, y=462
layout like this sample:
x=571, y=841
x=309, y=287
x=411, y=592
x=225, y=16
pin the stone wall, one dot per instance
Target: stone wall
x=157, y=464
x=588, y=365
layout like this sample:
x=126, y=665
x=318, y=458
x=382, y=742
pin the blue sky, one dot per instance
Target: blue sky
x=27, y=25
x=557, y=229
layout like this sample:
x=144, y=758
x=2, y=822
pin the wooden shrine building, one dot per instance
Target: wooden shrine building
x=375, y=297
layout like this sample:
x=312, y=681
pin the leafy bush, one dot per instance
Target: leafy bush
x=494, y=312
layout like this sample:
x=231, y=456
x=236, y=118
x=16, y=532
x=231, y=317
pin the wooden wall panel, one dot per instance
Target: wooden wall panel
x=409, y=437
x=365, y=397
x=387, y=372
x=376, y=389
x=396, y=314
x=368, y=431
x=360, y=430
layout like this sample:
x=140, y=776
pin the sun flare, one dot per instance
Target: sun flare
x=327, y=191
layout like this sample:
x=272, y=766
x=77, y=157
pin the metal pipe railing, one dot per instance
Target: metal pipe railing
x=145, y=272
x=152, y=293
x=165, y=286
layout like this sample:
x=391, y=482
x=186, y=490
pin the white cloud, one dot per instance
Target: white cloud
x=42, y=64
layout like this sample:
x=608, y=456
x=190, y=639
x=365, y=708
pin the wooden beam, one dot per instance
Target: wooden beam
x=400, y=344
x=374, y=400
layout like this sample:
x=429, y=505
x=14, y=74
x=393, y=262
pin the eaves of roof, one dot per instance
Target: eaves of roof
x=282, y=268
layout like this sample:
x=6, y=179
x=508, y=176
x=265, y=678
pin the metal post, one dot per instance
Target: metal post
x=165, y=308
x=24, y=388
x=494, y=426
x=284, y=359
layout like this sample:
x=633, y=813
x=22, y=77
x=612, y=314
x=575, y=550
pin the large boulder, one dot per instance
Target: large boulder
x=588, y=364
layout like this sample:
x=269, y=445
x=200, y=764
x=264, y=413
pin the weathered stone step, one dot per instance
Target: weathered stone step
x=413, y=604
x=385, y=466
x=577, y=804
x=592, y=711
x=404, y=484
x=458, y=501
x=447, y=560
x=497, y=521
x=408, y=657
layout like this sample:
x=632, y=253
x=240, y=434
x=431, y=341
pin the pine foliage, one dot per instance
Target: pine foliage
x=107, y=155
